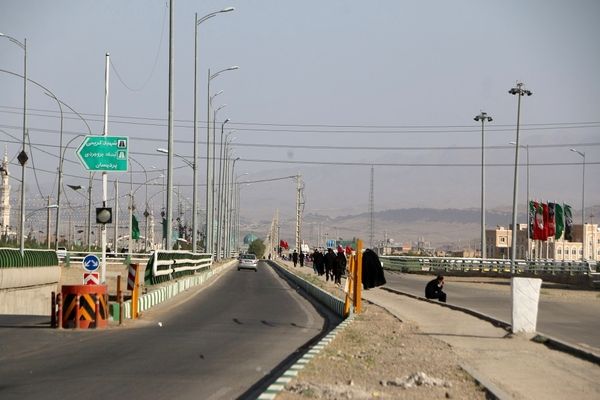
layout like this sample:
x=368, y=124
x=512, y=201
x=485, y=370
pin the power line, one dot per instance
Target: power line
x=327, y=147
x=371, y=129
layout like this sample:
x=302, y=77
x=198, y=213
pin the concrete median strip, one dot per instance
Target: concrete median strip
x=335, y=305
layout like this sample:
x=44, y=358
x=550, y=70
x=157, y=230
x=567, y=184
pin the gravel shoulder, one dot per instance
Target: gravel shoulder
x=379, y=356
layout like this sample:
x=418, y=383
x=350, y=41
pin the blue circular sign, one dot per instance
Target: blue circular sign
x=91, y=263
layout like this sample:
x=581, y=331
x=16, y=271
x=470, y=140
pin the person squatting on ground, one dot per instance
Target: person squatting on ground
x=433, y=290
x=295, y=257
x=330, y=261
x=340, y=266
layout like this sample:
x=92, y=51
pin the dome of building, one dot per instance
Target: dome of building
x=249, y=238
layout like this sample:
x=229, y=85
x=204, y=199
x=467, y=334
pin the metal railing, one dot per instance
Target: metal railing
x=416, y=264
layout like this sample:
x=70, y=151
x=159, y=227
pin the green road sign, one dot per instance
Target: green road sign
x=104, y=153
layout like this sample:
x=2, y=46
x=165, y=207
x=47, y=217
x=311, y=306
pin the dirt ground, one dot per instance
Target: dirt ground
x=378, y=356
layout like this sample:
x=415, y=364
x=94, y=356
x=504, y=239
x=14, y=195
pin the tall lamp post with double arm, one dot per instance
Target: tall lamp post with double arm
x=195, y=171
x=22, y=155
x=483, y=117
x=583, y=240
x=520, y=92
x=210, y=243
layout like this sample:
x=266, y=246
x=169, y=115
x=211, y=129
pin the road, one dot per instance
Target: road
x=571, y=316
x=221, y=342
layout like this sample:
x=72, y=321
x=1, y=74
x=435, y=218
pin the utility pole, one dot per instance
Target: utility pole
x=116, y=214
x=371, y=208
x=299, y=209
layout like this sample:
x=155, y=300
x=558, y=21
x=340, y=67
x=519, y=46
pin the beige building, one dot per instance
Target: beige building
x=499, y=242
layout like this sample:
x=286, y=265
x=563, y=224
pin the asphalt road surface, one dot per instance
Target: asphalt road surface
x=572, y=319
x=223, y=341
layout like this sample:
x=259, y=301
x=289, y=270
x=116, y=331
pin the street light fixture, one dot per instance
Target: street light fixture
x=22, y=155
x=195, y=178
x=483, y=117
x=210, y=174
x=528, y=255
x=582, y=154
x=520, y=92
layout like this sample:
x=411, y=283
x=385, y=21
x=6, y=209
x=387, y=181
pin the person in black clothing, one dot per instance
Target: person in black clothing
x=330, y=261
x=433, y=290
x=295, y=257
x=301, y=257
x=340, y=266
x=318, y=262
x=372, y=270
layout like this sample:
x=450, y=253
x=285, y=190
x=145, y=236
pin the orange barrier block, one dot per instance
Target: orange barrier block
x=84, y=306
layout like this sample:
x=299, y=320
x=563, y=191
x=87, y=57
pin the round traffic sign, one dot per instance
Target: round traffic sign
x=91, y=263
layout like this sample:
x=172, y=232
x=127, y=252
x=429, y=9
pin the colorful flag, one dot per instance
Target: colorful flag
x=545, y=221
x=551, y=223
x=531, y=217
x=538, y=227
x=135, y=228
x=568, y=223
x=560, y=221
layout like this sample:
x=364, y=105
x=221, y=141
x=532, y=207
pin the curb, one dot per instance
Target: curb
x=275, y=388
x=540, y=337
x=329, y=301
x=493, y=392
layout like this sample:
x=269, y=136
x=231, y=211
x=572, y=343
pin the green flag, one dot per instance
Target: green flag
x=560, y=221
x=568, y=222
x=135, y=229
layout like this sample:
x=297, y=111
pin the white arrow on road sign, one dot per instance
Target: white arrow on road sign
x=91, y=263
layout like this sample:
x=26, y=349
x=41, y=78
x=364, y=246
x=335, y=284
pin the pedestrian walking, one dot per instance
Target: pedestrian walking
x=340, y=266
x=372, y=273
x=301, y=258
x=330, y=261
x=295, y=257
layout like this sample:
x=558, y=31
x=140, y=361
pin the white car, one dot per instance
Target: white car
x=248, y=261
x=61, y=252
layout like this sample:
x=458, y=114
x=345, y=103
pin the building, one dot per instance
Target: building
x=5, y=228
x=499, y=241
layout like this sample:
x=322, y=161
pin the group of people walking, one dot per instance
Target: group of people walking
x=328, y=263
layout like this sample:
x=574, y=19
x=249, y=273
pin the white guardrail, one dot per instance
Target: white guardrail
x=417, y=263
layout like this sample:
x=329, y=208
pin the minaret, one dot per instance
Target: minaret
x=4, y=197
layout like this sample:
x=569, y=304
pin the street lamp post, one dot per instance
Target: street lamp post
x=22, y=155
x=520, y=92
x=228, y=225
x=60, y=162
x=214, y=160
x=221, y=155
x=209, y=183
x=483, y=117
x=583, y=241
x=528, y=254
x=195, y=178
x=222, y=188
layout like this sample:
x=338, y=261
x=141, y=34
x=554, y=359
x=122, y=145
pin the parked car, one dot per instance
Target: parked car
x=248, y=261
x=61, y=252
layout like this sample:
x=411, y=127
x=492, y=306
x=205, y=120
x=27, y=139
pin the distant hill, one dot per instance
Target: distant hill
x=451, y=226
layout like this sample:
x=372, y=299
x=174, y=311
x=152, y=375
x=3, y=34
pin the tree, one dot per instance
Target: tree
x=257, y=247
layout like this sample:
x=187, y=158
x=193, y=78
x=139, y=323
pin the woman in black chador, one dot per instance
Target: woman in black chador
x=372, y=271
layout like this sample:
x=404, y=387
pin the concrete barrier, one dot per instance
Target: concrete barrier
x=27, y=291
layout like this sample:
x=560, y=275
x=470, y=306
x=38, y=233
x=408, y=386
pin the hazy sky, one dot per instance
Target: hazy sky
x=319, y=81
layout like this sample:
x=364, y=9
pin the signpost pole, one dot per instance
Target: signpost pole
x=104, y=174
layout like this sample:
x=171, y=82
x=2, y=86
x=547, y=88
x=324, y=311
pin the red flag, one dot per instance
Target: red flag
x=348, y=250
x=545, y=223
x=538, y=222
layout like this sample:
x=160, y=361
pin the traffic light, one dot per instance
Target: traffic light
x=103, y=215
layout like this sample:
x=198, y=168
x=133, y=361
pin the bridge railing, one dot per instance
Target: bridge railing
x=417, y=263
